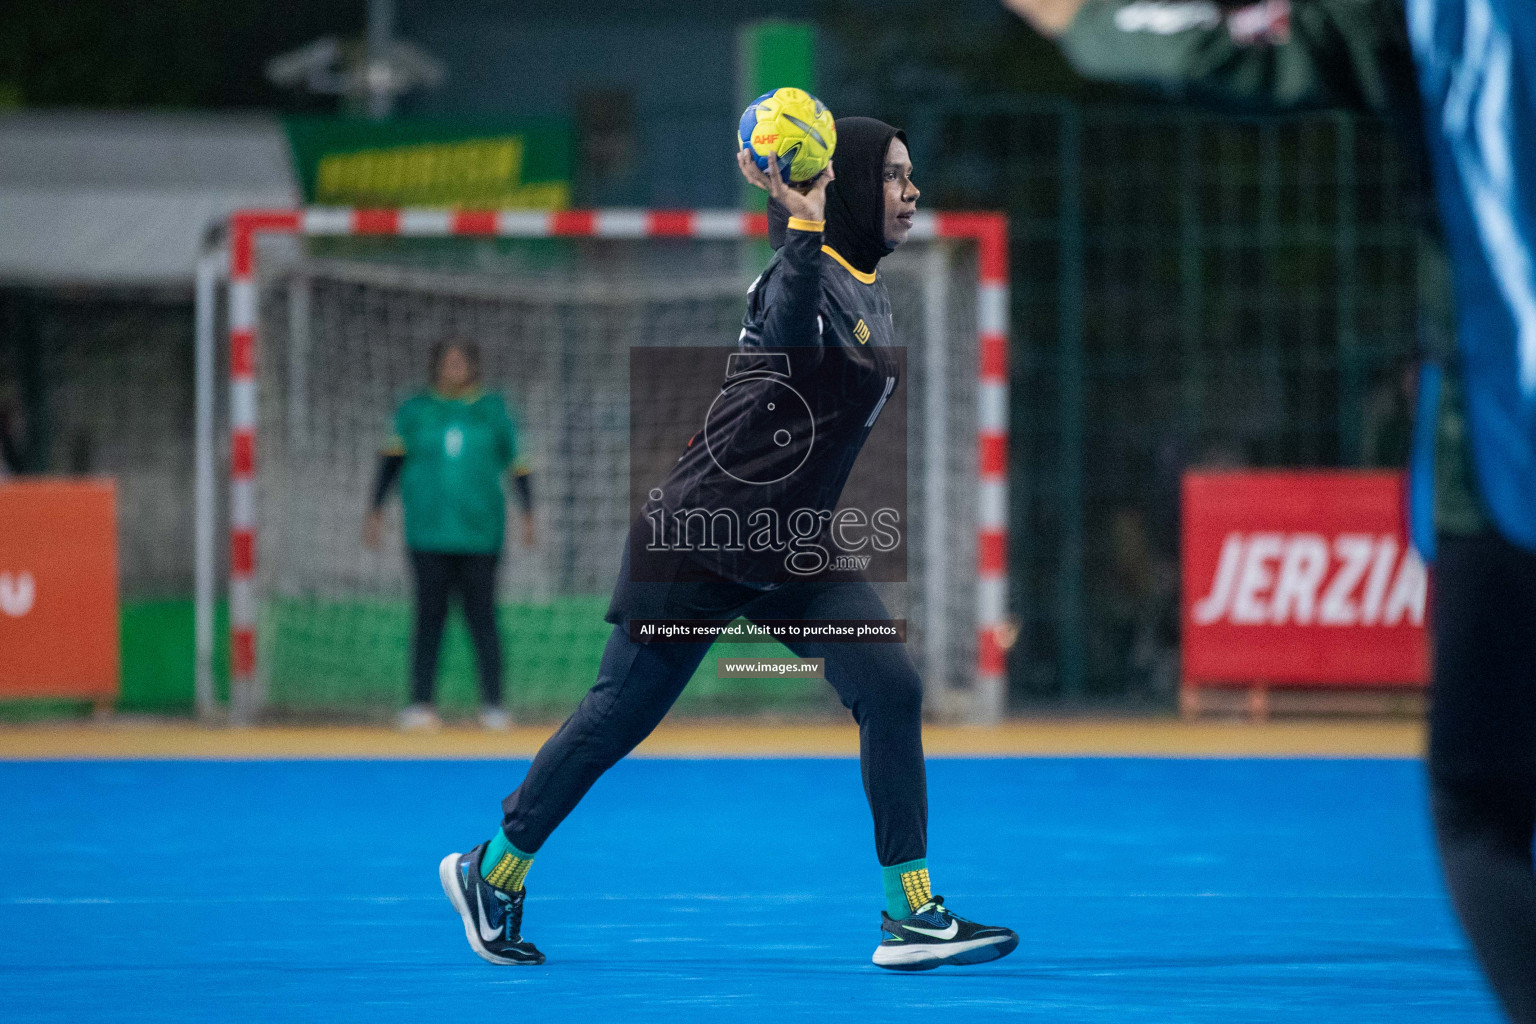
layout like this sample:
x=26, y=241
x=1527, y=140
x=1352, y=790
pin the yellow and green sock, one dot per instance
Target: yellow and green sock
x=504, y=865
x=906, y=887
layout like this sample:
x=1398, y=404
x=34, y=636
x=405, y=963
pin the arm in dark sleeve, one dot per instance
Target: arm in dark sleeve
x=783, y=314
x=390, y=464
x=10, y=451
x=1270, y=55
x=522, y=483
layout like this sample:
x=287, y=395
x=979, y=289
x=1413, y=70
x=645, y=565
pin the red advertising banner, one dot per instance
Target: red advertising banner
x=1301, y=579
x=58, y=589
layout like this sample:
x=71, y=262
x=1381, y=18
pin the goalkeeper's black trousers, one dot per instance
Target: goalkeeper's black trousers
x=440, y=575
x=638, y=682
x=1482, y=754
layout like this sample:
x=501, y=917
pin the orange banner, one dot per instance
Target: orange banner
x=58, y=589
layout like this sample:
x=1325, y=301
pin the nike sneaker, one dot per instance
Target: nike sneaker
x=493, y=918
x=933, y=937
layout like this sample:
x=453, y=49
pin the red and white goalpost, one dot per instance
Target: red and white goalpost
x=987, y=231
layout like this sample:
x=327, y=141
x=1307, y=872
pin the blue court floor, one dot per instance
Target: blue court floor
x=695, y=890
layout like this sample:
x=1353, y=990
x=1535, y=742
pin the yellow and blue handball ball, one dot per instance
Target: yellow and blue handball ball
x=789, y=129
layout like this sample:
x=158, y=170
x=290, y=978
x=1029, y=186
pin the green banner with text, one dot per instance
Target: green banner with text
x=508, y=163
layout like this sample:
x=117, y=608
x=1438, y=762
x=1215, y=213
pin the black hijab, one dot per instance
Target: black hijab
x=856, y=197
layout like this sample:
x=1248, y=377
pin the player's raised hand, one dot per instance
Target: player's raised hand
x=1049, y=17
x=808, y=202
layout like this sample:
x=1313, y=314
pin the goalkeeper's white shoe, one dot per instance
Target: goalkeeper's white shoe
x=933, y=937
x=418, y=718
x=494, y=718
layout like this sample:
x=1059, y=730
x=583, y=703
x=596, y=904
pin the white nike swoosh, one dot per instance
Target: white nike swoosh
x=946, y=934
x=488, y=936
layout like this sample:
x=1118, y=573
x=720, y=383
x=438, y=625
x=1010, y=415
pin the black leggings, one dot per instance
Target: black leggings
x=1482, y=754
x=439, y=575
x=638, y=682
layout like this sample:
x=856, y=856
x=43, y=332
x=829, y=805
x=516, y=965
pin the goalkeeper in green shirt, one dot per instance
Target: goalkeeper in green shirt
x=452, y=445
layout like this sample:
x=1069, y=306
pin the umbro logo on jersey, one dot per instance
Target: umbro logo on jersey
x=861, y=331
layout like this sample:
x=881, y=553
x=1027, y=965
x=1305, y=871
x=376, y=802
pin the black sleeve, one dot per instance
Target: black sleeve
x=10, y=453
x=1266, y=55
x=782, y=311
x=10, y=446
x=522, y=483
x=389, y=471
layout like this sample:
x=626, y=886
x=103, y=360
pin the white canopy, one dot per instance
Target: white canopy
x=124, y=199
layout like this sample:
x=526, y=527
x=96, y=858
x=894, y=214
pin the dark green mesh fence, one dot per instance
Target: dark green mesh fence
x=1188, y=290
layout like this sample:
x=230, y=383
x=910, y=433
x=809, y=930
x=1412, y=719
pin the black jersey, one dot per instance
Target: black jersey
x=762, y=476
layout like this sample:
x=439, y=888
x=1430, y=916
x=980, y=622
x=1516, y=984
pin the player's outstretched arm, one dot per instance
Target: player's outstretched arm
x=784, y=312
x=1268, y=55
x=1048, y=17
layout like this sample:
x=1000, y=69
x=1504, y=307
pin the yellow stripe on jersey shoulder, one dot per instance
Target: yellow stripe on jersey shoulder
x=858, y=275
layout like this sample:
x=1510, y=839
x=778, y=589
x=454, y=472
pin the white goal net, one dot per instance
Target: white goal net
x=344, y=327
